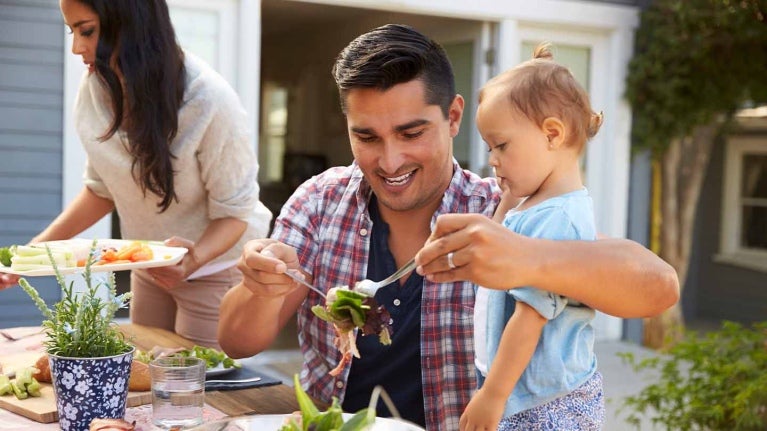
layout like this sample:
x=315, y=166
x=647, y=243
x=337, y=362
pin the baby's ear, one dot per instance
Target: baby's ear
x=555, y=132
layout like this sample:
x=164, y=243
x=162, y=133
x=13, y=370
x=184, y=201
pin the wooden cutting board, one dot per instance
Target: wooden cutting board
x=43, y=408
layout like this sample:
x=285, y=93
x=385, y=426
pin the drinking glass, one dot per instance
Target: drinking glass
x=178, y=391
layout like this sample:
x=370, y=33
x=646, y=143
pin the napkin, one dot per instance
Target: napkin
x=247, y=371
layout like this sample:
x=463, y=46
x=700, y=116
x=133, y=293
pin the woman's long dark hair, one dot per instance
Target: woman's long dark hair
x=141, y=36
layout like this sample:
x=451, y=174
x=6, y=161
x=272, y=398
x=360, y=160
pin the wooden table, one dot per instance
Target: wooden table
x=277, y=399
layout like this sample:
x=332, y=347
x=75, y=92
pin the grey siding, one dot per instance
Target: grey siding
x=638, y=223
x=31, y=111
x=716, y=291
x=640, y=3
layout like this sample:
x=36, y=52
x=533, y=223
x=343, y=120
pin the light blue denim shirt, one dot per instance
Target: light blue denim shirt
x=564, y=358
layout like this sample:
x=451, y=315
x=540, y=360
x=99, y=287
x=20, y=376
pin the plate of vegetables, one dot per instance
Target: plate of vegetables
x=216, y=361
x=70, y=256
x=311, y=418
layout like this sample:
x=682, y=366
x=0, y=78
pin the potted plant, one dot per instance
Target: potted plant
x=90, y=359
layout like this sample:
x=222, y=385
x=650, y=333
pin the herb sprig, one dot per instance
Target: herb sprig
x=81, y=325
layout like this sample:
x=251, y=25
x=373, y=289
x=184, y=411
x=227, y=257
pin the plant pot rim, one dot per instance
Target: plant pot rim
x=75, y=358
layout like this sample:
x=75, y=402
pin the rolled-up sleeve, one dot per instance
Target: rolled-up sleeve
x=92, y=180
x=548, y=223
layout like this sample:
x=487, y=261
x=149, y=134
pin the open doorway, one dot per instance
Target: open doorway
x=302, y=130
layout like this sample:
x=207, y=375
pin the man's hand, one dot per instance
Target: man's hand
x=263, y=264
x=483, y=252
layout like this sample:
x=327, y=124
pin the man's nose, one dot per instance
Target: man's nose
x=392, y=157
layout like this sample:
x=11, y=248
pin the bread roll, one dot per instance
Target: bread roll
x=111, y=425
x=43, y=374
x=139, y=376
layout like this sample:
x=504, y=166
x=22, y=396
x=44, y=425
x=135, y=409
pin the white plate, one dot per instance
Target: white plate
x=274, y=422
x=219, y=370
x=163, y=256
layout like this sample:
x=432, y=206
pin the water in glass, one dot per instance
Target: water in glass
x=178, y=392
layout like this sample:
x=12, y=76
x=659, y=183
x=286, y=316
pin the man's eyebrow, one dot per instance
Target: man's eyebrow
x=363, y=130
x=410, y=125
x=400, y=128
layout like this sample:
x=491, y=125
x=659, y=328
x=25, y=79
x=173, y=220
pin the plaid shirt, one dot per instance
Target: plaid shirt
x=327, y=222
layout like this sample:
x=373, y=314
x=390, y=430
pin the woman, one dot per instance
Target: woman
x=167, y=146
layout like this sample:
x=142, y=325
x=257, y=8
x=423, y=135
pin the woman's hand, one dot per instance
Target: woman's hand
x=170, y=276
x=483, y=252
x=8, y=280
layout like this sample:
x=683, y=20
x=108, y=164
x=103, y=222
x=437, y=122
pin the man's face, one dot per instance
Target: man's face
x=403, y=146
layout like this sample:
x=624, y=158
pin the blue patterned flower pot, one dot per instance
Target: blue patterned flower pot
x=90, y=388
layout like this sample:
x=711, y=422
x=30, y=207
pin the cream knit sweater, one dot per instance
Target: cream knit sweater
x=215, y=165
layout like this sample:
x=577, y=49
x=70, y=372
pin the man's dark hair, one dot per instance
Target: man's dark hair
x=395, y=54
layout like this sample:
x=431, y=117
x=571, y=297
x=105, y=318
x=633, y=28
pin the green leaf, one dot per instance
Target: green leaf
x=360, y=421
x=5, y=256
x=308, y=409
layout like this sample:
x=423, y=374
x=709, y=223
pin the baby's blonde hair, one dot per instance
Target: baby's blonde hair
x=541, y=88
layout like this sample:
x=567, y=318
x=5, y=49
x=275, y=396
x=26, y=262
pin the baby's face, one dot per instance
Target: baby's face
x=519, y=150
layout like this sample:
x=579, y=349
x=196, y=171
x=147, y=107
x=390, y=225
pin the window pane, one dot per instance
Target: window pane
x=575, y=58
x=754, y=176
x=197, y=32
x=461, y=56
x=754, y=227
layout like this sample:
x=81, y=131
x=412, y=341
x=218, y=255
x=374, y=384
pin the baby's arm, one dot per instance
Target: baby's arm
x=518, y=342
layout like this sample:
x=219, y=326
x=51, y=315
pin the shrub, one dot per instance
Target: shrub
x=713, y=382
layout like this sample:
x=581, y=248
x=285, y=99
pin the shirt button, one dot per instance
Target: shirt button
x=391, y=321
x=396, y=302
x=363, y=232
x=339, y=384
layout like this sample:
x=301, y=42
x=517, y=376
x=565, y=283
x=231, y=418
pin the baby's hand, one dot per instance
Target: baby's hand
x=484, y=412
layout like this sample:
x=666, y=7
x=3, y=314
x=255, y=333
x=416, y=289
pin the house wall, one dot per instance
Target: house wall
x=31, y=98
x=716, y=291
x=611, y=25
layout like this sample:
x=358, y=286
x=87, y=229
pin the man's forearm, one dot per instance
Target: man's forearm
x=615, y=276
x=248, y=324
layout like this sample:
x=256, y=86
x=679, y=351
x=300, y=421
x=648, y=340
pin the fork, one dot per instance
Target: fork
x=10, y=337
x=369, y=287
x=252, y=379
x=297, y=276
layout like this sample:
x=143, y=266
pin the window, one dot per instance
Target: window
x=575, y=58
x=744, y=209
x=208, y=30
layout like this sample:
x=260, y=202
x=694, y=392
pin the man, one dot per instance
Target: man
x=367, y=219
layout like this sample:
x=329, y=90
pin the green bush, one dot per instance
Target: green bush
x=713, y=382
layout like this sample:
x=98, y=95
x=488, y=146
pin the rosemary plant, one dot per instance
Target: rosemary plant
x=81, y=325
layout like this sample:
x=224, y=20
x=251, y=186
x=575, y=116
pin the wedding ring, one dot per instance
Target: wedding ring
x=450, y=262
